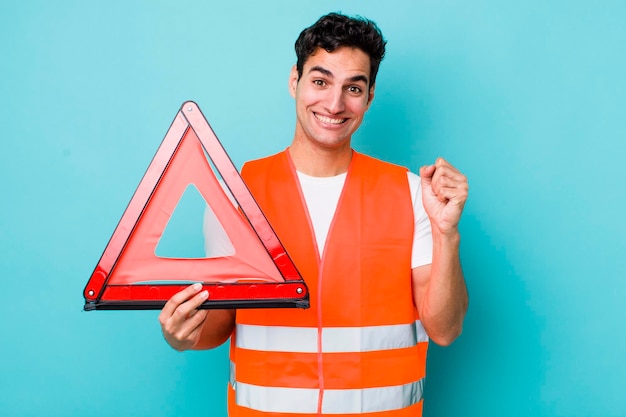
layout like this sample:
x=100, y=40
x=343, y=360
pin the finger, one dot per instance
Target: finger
x=194, y=322
x=447, y=170
x=185, y=332
x=449, y=182
x=196, y=327
x=453, y=194
x=183, y=317
x=179, y=298
x=444, y=177
x=198, y=319
x=441, y=162
x=451, y=179
x=186, y=309
x=426, y=173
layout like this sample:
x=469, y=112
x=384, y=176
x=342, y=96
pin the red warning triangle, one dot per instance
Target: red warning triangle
x=130, y=276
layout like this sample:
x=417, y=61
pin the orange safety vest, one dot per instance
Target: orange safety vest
x=359, y=348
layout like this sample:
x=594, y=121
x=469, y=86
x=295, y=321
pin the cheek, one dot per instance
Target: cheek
x=358, y=105
x=307, y=97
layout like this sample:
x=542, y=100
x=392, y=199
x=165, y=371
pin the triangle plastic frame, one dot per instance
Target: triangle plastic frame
x=130, y=251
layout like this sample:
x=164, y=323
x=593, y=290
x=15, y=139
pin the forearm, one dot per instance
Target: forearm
x=445, y=299
x=216, y=329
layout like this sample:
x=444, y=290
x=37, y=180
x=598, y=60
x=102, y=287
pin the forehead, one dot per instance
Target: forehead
x=343, y=62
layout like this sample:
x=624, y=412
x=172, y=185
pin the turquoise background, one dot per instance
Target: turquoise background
x=527, y=98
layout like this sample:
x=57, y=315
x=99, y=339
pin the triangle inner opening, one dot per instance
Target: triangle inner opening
x=193, y=231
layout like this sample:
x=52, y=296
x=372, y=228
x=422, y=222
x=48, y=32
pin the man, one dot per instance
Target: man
x=377, y=246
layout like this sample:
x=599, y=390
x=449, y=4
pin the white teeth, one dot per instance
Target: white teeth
x=332, y=121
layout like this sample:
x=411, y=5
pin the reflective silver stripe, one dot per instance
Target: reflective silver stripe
x=334, y=339
x=422, y=336
x=349, y=401
x=276, y=338
x=232, y=378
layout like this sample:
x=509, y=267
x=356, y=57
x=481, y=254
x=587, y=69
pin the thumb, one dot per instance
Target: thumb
x=426, y=174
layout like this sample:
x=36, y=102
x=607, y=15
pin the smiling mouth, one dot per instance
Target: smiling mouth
x=329, y=120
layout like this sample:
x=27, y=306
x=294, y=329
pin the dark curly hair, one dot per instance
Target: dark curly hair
x=336, y=30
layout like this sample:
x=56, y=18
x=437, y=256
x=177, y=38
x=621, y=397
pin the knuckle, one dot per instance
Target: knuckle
x=168, y=327
x=181, y=313
x=178, y=298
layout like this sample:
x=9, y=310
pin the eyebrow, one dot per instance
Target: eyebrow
x=327, y=73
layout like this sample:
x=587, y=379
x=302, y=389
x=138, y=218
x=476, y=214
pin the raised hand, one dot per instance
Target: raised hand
x=444, y=192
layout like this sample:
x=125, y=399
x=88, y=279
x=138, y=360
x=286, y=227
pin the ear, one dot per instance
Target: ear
x=293, y=81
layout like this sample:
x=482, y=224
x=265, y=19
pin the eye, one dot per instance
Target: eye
x=319, y=83
x=355, y=89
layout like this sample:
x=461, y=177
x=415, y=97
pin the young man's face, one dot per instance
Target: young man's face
x=332, y=96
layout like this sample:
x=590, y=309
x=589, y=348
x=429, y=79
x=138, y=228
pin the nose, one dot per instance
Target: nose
x=334, y=102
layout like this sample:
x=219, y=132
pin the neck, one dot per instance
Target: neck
x=318, y=162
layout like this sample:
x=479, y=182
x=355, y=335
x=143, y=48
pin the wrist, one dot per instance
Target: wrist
x=447, y=237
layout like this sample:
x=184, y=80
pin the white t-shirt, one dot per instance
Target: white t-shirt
x=322, y=196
